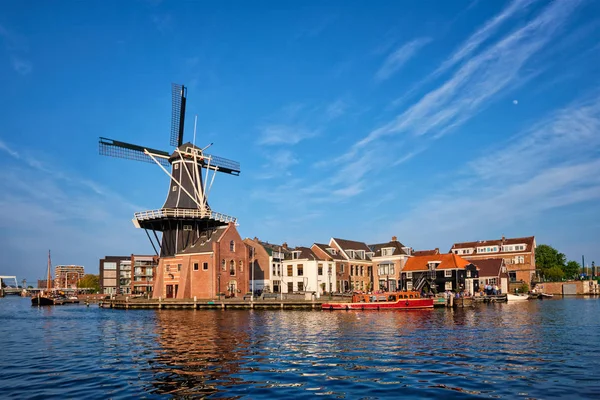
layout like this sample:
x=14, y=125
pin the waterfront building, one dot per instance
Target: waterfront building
x=266, y=260
x=357, y=258
x=518, y=255
x=492, y=271
x=131, y=274
x=67, y=276
x=388, y=261
x=342, y=272
x=215, y=265
x=440, y=272
x=304, y=271
x=43, y=283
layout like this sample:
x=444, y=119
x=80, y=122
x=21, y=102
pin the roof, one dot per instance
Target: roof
x=489, y=267
x=324, y=247
x=396, y=245
x=529, y=241
x=426, y=252
x=447, y=261
x=352, y=245
x=305, y=254
x=271, y=247
x=204, y=245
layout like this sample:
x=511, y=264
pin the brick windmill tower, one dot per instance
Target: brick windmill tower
x=190, y=229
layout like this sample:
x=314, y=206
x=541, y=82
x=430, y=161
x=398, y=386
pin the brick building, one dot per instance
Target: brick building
x=342, y=272
x=133, y=274
x=518, y=255
x=388, y=261
x=266, y=260
x=67, y=276
x=214, y=266
x=357, y=258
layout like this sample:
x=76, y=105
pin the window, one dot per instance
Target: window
x=491, y=281
x=232, y=246
x=195, y=266
x=110, y=265
x=290, y=287
x=362, y=271
x=320, y=269
x=223, y=265
x=187, y=227
x=300, y=270
x=168, y=268
x=468, y=274
x=409, y=285
x=176, y=166
x=290, y=270
x=295, y=255
x=241, y=266
x=361, y=254
x=352, y=270
x=512, y=276
x=519, y=260
x=387, y=251
x=178, y=267
x=448, y=273
x=448, y=286
x=231, y=267
x=174, y=189
x=409, y=275
x=300, y=286
x=205, y=266
x=342, y=268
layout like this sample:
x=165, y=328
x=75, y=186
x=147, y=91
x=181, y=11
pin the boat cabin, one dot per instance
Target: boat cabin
x=389, y=297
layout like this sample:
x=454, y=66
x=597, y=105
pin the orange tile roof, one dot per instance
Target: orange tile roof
x=448, y=261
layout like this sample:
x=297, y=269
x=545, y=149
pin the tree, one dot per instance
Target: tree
x=554, y=274
x=547, y=257
x=571, y=270
x=90, y=281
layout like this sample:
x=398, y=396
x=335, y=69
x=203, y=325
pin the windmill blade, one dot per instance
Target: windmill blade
x=178, y=94
x=223, y=164
x=114, y=148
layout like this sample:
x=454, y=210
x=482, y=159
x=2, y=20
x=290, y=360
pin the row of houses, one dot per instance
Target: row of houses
x=224, y=264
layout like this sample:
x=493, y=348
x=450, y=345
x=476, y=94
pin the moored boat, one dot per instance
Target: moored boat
x=46, y=299
x=383, y=301
x=516, y=297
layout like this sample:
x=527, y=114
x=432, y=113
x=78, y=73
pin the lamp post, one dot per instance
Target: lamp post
x=252, y=263
x=219, y=285
x=329, y=280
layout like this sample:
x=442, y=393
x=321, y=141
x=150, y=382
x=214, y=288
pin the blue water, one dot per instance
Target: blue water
x=536, y=349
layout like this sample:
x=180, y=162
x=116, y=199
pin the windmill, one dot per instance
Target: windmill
x=185, y=214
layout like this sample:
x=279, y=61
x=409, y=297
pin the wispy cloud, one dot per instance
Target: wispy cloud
x=496, y=69
x=399, y=57
x=16, y=47
x=553, y=164
x=6, y=148
x=282, y=134
x=336, y=109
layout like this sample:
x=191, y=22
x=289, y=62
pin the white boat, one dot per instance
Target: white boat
x=516, y=297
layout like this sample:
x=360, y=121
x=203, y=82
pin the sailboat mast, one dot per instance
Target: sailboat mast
x=49, y=277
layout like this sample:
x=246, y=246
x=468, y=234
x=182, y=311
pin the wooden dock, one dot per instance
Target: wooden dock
x=227, y=304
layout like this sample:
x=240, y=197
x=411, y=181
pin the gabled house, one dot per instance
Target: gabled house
x=388, y=260
x=342, y=272
x=357, y=258
x=215, y=265
x=492, y=271
x=518, y=255
x=304, y=271
x=440, y=272
x=266, y=260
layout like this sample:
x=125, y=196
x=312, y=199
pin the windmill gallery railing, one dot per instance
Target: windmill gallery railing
x=182, y=213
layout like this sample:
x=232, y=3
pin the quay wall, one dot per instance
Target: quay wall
x=569, y=288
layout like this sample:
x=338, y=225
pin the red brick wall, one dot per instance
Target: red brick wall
x=261, y=261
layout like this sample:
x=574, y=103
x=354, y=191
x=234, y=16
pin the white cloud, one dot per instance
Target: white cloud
x=284, y=134
x=6, y=148
x=21, y=65
x=399, y=57
x=336, y=109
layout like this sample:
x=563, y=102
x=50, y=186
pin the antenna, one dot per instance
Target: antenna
x=195, y=122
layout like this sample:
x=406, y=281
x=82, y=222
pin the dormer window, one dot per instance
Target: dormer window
x=295, y=255
x=388, y=251
x=406, y=250
x=351, y=253
x=433, y=264
x=331, y=250
x=361, y=254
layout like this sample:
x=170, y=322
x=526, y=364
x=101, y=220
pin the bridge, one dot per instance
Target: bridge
x=9, y=285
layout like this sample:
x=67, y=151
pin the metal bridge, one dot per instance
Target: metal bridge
x=10, y=285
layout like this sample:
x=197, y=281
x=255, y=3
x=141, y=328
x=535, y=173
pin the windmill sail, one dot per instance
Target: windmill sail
x=114, y=148
x=178, y=93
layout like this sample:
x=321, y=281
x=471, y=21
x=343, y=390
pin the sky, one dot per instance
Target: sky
x=433, y=121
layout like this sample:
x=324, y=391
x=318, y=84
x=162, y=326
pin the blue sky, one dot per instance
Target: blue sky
x=434, y=121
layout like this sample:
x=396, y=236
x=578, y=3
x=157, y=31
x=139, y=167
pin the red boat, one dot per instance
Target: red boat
x=383, y=301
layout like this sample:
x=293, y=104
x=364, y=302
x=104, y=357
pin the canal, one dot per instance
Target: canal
x=536, y=349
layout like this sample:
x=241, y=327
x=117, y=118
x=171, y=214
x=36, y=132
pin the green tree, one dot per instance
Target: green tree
x=547, y=257
x=554, y=274
x=571, y=270
x=90, y=281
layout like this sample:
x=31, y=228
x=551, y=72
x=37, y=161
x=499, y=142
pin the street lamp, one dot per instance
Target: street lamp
x=252, y=263
x=329, y=280
x=219, y=285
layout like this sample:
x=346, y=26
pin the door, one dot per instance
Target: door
x=169, y=291
x=469, y=285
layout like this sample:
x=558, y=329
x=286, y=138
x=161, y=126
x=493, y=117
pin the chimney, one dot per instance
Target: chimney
x=503, y=239
x=394, y=239
x=284, y=245
x=255, y=239
x=437, y=250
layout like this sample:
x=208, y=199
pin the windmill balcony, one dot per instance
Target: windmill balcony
x=183, y=213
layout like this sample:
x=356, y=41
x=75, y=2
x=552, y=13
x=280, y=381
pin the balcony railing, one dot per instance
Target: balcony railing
x=183, y=213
